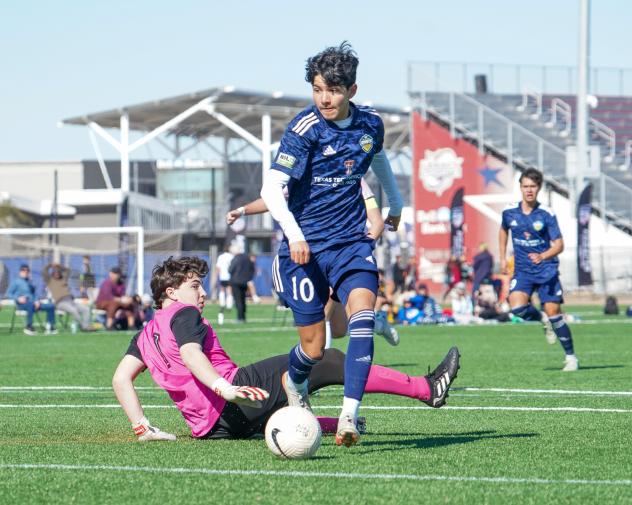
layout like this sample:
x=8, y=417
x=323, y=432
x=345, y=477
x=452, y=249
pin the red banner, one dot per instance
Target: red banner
x=443, y=168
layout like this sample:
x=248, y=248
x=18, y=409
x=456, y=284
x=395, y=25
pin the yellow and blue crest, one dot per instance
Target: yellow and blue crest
x=366, y=143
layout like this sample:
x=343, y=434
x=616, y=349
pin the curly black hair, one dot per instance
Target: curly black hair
x=534, y=174
x=172, y=273
x=336, y=65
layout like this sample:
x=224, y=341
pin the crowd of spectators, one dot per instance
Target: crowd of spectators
x=110, y=302
x=408, y=301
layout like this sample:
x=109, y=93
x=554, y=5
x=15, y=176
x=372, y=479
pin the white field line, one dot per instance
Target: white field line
x=322, y=475
x=548, y=391
x=335, y=407
x=333, y=388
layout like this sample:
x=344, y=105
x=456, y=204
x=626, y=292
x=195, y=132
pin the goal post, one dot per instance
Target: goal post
x=138, y=231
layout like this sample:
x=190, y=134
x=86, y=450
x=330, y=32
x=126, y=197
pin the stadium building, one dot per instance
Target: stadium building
x=456, y=151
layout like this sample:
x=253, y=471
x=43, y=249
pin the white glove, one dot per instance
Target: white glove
x=147, y=433
x=242, y=395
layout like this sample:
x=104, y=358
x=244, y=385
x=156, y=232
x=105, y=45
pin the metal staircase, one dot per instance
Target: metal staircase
x=516, y=130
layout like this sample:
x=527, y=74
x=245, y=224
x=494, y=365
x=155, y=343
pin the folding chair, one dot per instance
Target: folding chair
x=20, y=313
x=63, y=317
x=95, y=314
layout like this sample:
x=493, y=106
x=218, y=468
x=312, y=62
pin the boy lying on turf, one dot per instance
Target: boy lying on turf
x=217, y=398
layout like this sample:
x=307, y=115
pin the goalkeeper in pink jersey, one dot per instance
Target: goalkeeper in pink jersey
x=217, y=398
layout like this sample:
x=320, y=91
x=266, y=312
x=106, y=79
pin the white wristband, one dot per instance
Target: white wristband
x=220, y=385
x=242, y=211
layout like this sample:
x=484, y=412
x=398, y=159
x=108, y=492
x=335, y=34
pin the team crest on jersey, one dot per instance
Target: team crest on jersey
x=538, y=225
x=366, y=143
x=286, y=160
x=349, y=166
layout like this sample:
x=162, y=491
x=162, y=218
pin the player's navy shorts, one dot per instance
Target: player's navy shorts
x=549, y=291
x=305, y=288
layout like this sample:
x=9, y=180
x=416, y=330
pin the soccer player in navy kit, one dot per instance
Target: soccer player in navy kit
x=537, y=241
x=323, y=155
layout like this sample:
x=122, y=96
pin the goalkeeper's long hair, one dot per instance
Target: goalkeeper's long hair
x=172, y=273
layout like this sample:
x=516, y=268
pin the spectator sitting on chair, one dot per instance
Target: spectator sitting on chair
x=22, y=291
x=487, y=306
x=112, y=297
x=462, y=307
x=56, y=279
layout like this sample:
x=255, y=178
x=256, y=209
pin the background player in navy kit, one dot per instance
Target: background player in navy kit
x=324, y=153
x=537, y=241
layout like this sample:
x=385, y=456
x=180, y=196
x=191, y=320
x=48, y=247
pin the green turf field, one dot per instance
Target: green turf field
x=516, y=429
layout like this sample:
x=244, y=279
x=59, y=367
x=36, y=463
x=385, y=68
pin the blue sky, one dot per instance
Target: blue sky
x=69, y=57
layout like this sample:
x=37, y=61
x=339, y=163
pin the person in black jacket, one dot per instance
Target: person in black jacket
x=242, y=270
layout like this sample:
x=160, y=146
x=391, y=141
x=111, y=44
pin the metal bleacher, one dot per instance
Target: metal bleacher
x=534, y=130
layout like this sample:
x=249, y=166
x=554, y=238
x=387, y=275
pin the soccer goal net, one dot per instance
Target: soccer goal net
x=88, y=253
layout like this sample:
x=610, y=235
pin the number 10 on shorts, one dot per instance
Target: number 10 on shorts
x=305, y=289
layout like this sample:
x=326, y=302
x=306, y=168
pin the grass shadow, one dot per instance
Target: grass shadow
x=433, y=441
x=581, y=367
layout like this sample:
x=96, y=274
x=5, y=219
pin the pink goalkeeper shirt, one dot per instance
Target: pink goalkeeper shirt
x=200, y=406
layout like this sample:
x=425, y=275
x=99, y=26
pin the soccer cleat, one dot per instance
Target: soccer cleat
x=29, y=330
x=361, y=425
x=571, y=363
x=384, y=329
x=442, y=377
x=551, y=338
x=51, y=331
x=347, y=433
x=295, y=398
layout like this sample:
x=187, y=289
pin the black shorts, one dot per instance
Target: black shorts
x=239, y=421
x=224, y=284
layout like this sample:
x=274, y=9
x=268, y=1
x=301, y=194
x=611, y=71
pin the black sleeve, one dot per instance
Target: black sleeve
x=133, y=349
x=187, y=326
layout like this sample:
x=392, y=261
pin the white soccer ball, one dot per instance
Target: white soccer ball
x=293, y=433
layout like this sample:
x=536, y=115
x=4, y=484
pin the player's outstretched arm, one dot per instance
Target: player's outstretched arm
x=382, y=169
x=199, y=365
x=255, y=207
x=502, y=248
x=123, y=385
x=374, y=215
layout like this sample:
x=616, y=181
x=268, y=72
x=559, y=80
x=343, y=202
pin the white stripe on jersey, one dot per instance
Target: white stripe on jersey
x=303, y=120
x=307, y=126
